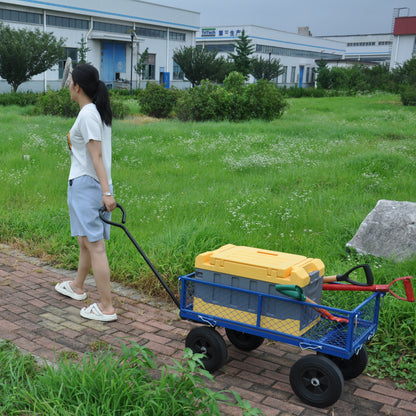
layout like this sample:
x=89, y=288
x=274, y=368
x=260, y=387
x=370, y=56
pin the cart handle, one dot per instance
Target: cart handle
x=345, y=277
x=103, y=210
x=101, y=213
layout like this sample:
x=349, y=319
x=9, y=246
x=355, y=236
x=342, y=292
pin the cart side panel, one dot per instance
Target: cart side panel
x=328, y=336
x=242, y=306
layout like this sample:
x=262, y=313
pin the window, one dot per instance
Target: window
x=361, y=44
x=69, y=53
x=414, y=49
x=67, y=22
x=284, y=75
x=19, y=16
x=151, y=33
x=308, y=71
x=293, y=74
x=222, y=47
x=150, y=67
x=177, y=72
x=111, y=27
x=177, y=36
x=274, y=50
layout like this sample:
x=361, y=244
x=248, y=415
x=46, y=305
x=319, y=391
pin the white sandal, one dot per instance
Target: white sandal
x=64, y=288
x=94, y=312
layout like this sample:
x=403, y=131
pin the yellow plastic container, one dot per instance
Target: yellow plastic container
x=258, y=264
x=257, y=270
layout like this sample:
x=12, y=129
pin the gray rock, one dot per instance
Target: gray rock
x=388, y=231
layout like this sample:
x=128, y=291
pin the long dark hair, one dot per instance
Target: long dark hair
x=87, y=77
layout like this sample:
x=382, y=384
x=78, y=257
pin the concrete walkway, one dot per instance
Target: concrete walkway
x=42, y=322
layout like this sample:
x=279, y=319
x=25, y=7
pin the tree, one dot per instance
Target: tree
x=82, y=51
x=25, y=53
x=141, y=63
x=323, y=78
x=405, y=73
x=267, y=69
x=199, y=63
x=241, y=57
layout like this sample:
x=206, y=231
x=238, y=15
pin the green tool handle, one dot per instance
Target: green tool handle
x=292, y=291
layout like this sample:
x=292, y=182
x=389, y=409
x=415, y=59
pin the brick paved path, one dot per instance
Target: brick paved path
x=45, y=323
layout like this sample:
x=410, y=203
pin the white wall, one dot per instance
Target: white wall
x=402, y=51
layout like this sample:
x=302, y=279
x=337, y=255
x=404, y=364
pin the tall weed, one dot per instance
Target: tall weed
x=105, y=383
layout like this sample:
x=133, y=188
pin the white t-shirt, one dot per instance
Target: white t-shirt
x=88, y=126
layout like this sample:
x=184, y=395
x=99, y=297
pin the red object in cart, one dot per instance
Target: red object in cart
x=410, y=296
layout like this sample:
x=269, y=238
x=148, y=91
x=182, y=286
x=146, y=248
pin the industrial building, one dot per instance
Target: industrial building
x=114, y=36
x=297, y=52
x=374, y=48
x=404, y=43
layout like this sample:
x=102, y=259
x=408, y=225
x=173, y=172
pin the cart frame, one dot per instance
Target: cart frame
x=358, y=330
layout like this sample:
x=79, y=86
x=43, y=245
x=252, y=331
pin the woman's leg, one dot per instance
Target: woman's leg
x=97, y=259
x=84, y=267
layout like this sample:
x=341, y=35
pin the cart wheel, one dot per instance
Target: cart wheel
x=354, y=366
x=206, y=340
x=243, y=341
x=316, y=380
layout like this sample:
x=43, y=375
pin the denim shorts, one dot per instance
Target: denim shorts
x=84, y=200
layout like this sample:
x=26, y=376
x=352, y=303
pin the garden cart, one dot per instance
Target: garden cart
x=259, y=294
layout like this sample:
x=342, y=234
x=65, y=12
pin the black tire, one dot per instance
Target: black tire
x=206, y=340
x=354, y=366
x=316, y=380
x=243, y=341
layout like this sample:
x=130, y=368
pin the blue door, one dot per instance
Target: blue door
x=113, y=61
x=301, y=69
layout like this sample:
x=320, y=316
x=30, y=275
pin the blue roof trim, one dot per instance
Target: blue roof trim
x=272, y=40
x=45, y=3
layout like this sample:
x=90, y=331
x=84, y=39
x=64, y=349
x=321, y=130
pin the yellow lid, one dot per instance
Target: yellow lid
x=258, y=264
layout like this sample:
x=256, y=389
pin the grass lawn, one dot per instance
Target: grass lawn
x=301, y=184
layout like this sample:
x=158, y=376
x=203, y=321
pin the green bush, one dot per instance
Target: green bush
x=119, y=108
x=59, y=103
x=124, y=93
x=408, y=95
x=156, y=100
x=21, y=99
x=234, y=101
x=200, y=103
x=234, y=83
x=264, y=101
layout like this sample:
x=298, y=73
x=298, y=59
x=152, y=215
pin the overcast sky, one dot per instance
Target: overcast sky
x=324, y=17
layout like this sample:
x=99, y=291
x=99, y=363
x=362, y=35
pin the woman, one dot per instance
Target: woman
x=90, y=187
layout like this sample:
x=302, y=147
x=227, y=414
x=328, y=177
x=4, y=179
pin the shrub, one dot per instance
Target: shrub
x=119, y=108
x=408, y=95
x=264, y=101
x=21, y=99
x=156, y=100
x=234, y=83
x=59, y=103
x=234, y=101
x=200, y=103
